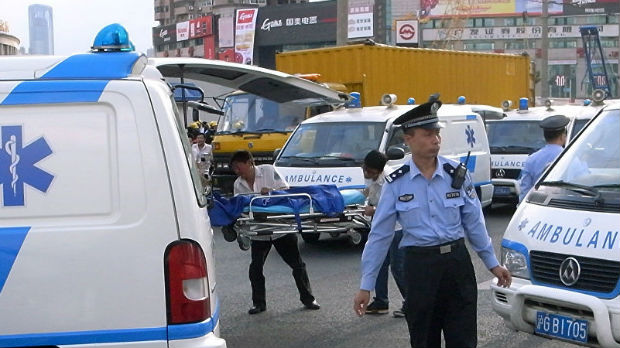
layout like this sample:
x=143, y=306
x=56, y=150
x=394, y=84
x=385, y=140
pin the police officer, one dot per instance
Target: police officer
x=554, y=128
x=435, y=216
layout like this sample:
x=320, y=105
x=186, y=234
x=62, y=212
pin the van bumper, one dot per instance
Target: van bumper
x=518, y=305
x=485, y=193
x=505, y=191
x=210, y=340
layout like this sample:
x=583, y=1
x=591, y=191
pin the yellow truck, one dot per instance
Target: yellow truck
x=374, y=70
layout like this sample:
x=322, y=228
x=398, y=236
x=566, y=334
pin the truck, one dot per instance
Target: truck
x=375, y=69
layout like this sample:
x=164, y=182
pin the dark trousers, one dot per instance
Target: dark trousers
x=289, y=251
x=442, y=295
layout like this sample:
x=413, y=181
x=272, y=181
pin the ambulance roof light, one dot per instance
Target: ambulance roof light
x=411, y=101
x=112, y=38
x=355, y=101
x=523, y=104
x=460, y=100
x=587, y=102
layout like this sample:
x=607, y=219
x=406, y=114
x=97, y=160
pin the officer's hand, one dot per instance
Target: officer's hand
x=360, y=302
x=369, y=210
x=504, y=279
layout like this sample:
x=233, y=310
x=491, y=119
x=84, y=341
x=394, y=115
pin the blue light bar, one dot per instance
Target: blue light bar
x=523, y=103
x=587, y=102
x=356, y=100
x=112, y=38
x=461, y=100
x=410, y=101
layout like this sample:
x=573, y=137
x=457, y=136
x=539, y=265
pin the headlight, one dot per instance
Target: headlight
x=515, y=262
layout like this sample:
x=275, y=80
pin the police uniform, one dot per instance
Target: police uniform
x=442, y=289
x=537, y=162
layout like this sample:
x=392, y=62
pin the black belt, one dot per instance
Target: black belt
x=444, y=248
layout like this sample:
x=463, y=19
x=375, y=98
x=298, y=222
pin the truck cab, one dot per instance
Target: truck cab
x=562, y=244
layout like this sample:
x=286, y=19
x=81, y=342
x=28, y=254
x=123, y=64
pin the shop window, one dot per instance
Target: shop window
x=563, y=43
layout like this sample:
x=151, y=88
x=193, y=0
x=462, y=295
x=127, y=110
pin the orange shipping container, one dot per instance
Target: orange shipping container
x=374, y=70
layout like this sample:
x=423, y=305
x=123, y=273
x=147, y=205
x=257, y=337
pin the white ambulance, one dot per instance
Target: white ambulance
x=330, y=148
x=513, y=138
x=104, y=236
x=562, y=245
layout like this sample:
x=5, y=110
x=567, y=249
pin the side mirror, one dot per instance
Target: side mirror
x=395, y=153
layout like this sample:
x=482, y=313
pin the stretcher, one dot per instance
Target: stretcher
x=308, y=211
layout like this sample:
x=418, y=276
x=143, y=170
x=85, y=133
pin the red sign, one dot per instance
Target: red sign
x=245, y=16
x=199, y=27
x=407, y=32
x=209, y=46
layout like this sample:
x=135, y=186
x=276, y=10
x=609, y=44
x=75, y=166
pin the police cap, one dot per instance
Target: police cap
x=554, y=123
x=423, y=116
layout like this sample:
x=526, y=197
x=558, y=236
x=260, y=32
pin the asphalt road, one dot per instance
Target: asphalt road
x=333, y=267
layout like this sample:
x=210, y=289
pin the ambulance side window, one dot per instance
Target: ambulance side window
x=198, y=188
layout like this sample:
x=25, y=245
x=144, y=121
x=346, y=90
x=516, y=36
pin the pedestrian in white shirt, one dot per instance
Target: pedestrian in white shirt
x=202, y=154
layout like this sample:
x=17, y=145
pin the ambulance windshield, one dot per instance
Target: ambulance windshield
x=515, y=137
x=331, y=144
x=593, y=160
x=248, y=113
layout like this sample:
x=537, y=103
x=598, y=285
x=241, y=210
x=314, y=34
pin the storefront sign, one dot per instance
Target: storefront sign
x=200, y=27
x=165, y=35
x=182, y=31
x=360, y=22
x=528, y=32
x=245, y=26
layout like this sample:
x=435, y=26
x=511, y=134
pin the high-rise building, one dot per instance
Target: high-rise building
x=41, y=25
x=9, y=44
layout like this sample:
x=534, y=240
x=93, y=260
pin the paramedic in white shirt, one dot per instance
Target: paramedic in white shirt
x=264, y=179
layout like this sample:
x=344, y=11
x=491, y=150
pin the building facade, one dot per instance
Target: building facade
x=208, y=29
x=41, y=29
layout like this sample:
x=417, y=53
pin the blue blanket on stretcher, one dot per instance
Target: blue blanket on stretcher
x=326, y=199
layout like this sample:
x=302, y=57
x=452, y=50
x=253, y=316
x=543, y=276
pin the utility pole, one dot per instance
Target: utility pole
x=342, y=25
x=544, y=50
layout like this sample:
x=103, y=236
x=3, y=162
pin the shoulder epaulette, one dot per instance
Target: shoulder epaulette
x=397, y=173
x=448, y=168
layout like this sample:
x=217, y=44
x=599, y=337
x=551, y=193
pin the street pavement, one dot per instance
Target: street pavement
x=333, y=268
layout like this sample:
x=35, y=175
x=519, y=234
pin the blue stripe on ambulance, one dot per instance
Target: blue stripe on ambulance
x=11, y=239
x=95, y=69
x=171, y=332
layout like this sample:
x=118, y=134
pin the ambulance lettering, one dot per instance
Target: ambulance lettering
x=17, y=165
x=317, y=179
x=575, y=236
x=507, y=164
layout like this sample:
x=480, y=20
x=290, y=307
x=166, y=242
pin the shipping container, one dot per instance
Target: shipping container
x=374, y=70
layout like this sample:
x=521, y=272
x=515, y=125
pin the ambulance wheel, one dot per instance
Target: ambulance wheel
x=310, y=237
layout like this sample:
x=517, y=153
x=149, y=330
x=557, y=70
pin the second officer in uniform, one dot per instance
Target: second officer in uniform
x=435, y=217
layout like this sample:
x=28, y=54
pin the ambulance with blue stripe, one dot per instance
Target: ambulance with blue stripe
x=562, y=245
x=104, y=234
x=330, y=148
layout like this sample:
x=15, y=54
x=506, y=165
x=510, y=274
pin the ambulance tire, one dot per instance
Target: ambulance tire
x=310, y=237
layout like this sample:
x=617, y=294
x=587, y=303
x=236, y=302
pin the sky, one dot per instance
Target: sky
x=77, y=22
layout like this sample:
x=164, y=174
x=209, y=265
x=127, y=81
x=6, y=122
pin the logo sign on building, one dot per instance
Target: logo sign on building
x=245, y=26
x=407, y=32
x=360, y=22
x=165, y=35
x=200, y=27
x=585, y=7
x=182, y=31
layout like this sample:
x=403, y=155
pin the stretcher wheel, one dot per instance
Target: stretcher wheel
x=310, y=237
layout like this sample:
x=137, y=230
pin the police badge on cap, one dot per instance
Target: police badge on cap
x=423, y=116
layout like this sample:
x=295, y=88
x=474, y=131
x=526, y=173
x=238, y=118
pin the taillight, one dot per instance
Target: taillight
x=187, y=285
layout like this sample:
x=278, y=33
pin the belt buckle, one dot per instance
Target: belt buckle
x=444, y=249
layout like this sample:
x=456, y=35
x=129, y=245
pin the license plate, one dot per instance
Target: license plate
x=501, y=190
x=561, y=326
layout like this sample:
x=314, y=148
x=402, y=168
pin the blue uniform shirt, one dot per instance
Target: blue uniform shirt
x=431, y=212
x=535, y=165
